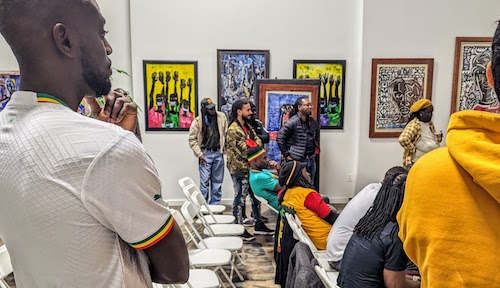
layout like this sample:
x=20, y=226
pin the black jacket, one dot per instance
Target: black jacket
x=260, y=131
x=292, y=138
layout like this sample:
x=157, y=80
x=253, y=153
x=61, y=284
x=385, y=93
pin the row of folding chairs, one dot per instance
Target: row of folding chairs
x=300, y=234
x=5, y=266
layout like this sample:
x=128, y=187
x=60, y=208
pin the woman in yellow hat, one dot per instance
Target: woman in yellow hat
x=419, y=136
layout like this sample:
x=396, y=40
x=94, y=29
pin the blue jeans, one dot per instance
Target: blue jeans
x=212, y=176
x=241, y=188
x=311, y=167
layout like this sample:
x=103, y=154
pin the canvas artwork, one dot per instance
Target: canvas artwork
x=276, y=99
x=396, y=85
x=237, y=71
x=471, y=90
x=332, y=90
x=171, y=94
x=9, y=83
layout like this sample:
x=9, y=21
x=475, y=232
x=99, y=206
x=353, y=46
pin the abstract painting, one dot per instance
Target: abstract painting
x=332, y=90
x=237, y=71
x=471, y=90
x=396, y=85
x=9, y=83
x=171, y=94
x=276, y=100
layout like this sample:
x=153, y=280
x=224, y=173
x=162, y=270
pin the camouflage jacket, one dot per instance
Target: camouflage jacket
x=236, y=149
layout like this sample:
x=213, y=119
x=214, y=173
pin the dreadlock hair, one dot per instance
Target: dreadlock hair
x=495, y=59
x=385, y=207
x=299, y=181
x=296, y=105
x=204, y=124
x=233, y=117
x=396, y=170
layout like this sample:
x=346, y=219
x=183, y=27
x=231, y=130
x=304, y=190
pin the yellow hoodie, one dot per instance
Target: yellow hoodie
x=450, y=218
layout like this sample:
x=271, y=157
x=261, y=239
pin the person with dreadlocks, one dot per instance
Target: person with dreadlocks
x=419, y=135
x=206, y=139
x=374, y=256
x=357, y=207
x=300, y=196
x=241, y=137
x=454, y=192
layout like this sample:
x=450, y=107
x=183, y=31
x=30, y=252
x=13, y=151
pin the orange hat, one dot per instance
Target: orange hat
x=420, y=104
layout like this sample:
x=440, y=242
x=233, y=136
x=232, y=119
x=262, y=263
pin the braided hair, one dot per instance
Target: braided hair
x=295, y=177
x=495, y=60
x=385, y=207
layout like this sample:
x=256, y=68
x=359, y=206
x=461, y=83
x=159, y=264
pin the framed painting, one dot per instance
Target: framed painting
x=171, y=94
x=275, y=102
x=10, y=82
x=471, y=90
x=331, y=73
x=396, y=85
x=237, y=71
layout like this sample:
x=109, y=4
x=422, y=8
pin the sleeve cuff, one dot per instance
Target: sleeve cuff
x=156, y=237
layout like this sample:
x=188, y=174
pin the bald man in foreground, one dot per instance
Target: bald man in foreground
x=80, y=199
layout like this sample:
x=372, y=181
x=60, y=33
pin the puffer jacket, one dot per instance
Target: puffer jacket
x=236, y=149
x=292, y=138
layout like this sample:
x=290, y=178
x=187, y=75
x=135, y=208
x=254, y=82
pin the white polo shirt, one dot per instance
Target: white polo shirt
x=79, y=198
x=343, y=228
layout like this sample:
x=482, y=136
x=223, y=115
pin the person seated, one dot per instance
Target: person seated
x=356, y=208
x=264, y=183
x=374, y=256
x=300, y=196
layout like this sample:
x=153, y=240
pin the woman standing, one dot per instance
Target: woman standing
x=419, y=135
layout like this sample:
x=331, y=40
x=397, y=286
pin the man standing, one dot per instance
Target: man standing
x=240, y=137
x=206, y=139
x=264, y=183
x=298, y=138
x=449, y=220
x=87, y=195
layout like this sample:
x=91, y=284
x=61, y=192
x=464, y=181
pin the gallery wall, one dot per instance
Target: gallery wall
x=356, y=31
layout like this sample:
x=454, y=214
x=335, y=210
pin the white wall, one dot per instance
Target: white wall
x=414, y=29
x=194, y=30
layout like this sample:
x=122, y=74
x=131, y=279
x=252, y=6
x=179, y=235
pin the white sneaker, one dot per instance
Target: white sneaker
x=248, y=222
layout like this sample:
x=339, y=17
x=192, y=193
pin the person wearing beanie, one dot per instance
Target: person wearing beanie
x=300, y=196
x=206, y=139
x=264, y=183
x=419, y=136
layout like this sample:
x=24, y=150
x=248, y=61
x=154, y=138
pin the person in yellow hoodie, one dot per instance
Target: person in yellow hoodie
x=450, y=218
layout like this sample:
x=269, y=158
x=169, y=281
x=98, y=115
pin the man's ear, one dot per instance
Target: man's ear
x=489, y=75
x=62, y=40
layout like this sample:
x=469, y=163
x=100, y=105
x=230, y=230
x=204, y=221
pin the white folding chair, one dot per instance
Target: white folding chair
x=214, y=209
x=198, y=199
x=264, y=200
x=5, y=265
x=214, y=229
x=232, y=244
x=198, y=278
x=328, y=279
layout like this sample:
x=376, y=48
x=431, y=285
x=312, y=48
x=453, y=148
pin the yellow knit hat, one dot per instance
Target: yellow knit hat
x=420, y=104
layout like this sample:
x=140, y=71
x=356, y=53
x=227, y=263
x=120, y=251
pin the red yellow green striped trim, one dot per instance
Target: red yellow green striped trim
x=156, y=237
x=256, y=155
x=46, y=98
x=291, y=173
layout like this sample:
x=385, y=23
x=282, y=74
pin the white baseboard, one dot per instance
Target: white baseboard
x=229, y=202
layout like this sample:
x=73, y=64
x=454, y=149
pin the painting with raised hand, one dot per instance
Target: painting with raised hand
x=471, y=90
x=171, y=96
x=237, y=71
x=9, y=83
x=332, y=92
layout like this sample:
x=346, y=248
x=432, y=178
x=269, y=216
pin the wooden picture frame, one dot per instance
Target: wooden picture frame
x=332, y=88
x=470, y=89
x=168, y=106
x=275, y=99
x=237, y=71
x=395, y=85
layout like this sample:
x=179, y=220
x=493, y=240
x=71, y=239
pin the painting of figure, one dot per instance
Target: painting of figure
x=396, y=85
x=171, y=94
x=332, y=92
x=470, y=86
x=237, y=71
x=9, y=83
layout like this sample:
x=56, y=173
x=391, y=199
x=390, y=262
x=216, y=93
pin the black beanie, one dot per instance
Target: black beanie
x=290, y=172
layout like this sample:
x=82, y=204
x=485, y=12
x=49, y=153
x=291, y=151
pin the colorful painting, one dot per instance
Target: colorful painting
x=171, y=94
x=396, y=85
x=237, y=71
x=332, y=93
x=471, y=90
x=10, y=82
x=276, y=99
